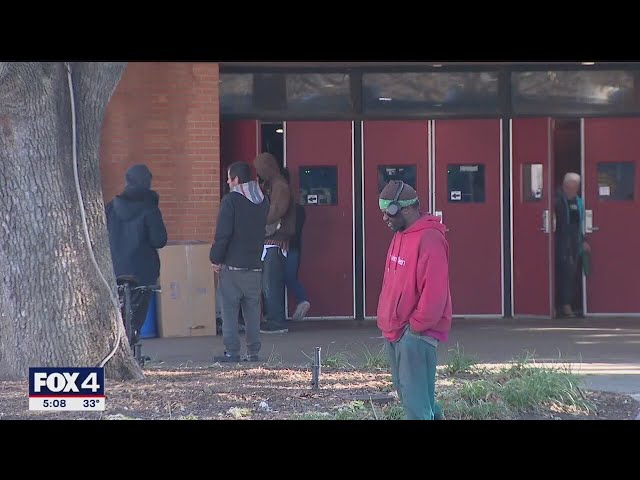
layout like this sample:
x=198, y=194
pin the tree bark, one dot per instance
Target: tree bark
x=55, y=310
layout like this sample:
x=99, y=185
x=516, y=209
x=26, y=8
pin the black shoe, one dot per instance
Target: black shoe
x=270, y=327
x=251, y=358
x=226, y=358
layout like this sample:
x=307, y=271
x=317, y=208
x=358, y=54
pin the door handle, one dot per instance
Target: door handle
x=588, y=222
x=546, y=222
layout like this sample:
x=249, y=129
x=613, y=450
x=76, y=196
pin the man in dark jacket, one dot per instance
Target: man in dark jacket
x=136, y=231
x=281, y=226
x=236, y=255
x=294, y=255
x=569, y=242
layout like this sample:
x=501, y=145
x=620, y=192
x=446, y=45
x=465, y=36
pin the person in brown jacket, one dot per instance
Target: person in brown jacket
x=281, y=226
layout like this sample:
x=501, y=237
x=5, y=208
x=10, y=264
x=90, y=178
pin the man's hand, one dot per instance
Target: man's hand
x=586, y=247
x=216, y=268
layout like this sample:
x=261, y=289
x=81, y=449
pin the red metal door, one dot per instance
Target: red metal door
x=239, y=142
x=326, y=268
x=532, y=169
x=468, y=192
x=389, y=144
x=611, y=157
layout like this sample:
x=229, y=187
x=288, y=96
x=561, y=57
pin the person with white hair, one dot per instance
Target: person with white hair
x=569, y=242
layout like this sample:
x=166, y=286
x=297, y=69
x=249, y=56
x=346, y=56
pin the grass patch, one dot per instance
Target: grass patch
x=337, y=360
x=513, y=392
x=520, y=366
x=527, y=387
x=458, y=362
x=355, y=410
x=520, y=388
x=377, y=361
x=393, y=411
x=459, y=409
x=545, y=387
x=361, y=410
x=479, y=391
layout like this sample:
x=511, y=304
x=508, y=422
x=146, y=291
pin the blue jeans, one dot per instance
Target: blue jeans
x=291, y=276
x=273, y=279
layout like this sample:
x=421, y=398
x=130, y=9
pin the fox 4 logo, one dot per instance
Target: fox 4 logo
x=66, y=381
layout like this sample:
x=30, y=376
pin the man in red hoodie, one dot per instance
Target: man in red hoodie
x=414, y=308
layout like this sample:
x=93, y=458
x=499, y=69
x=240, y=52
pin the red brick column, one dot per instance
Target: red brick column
x=166, y=115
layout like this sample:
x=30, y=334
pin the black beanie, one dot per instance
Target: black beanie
x=138, y=176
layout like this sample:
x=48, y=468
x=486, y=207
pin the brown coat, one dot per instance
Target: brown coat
x=282, y=204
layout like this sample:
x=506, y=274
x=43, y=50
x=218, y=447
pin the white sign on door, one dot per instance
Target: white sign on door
x=312, y=199
x=605, y=191
x=456, y=195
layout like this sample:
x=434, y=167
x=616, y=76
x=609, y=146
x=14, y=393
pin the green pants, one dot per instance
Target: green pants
x=413, y=370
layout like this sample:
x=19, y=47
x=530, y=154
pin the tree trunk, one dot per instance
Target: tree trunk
x=55, y=310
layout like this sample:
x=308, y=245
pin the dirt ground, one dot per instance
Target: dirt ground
x=260, y=392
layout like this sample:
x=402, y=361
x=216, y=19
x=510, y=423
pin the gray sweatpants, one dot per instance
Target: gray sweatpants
x=240, y=289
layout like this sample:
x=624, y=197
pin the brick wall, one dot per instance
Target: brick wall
x=166, y=115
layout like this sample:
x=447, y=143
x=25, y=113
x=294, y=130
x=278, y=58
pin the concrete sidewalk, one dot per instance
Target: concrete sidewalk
x=605, y=350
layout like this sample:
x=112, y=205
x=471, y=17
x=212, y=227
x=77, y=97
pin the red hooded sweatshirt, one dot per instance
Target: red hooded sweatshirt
x=415, y=289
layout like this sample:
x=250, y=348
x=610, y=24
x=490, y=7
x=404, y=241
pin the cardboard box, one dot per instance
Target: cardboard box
x=187, y=302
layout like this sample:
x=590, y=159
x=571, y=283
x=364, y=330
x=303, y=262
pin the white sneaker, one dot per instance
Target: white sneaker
x=301, y=310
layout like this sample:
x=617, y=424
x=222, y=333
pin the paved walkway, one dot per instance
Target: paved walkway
x=605, y=350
